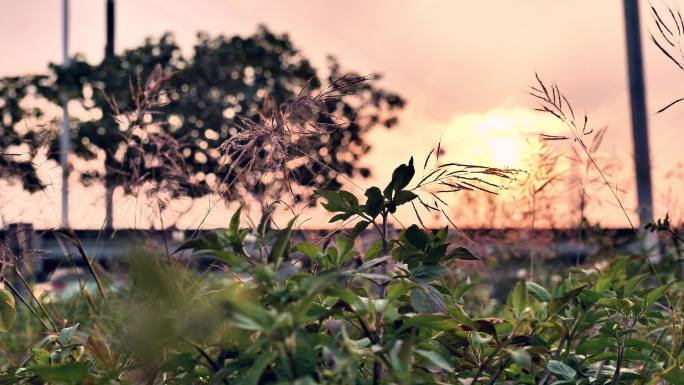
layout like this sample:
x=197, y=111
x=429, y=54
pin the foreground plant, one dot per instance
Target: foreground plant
x=282, y=310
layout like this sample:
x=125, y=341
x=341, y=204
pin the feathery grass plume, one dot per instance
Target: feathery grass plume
x=283, y=133
x=544, y=171
x=150, y=149
x=667, y=37
x=438, y=180
x=553, y=101
x=146, y=99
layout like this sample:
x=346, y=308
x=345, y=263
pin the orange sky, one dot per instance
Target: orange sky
x=462, y=65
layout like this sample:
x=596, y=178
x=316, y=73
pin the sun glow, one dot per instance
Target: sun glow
x=506, y=151
x=502, y=136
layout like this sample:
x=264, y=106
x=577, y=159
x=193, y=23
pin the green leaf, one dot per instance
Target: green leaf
x=461, y=253
x=656, y=293
x=538, y=292
x=348, y=297
x=228, y=257
x=181, y=360
x=484, y=326
x=334, y=201
x=628, y=375
x=428, y=272
x=519, y=298
x=41, y=356
x=605, y=356
x=595, y=345
x=345, y=246
x=435, y=359
x=404, y=196
x=521, y=357
x=454, y=342
x=401, y=357
x=349, y=199
x=253, y=374
x=72, y=373
x=401, y=177
x=209, y=241
x=309, y=249
x=436, y=254
x=265, y=221
x=66, y=334
x=427, y=299
x=279, y=249
x=375, y=250
x=632, y=284
x=246, y=314
x=337, y=201
x=431, y=321
x=639, y=344
x=611, y=303
x=235, y=222
x=674, y=375
x=340, y=217
x=359, y=228
x=561, y=370
x=557, y=304
x=416, y=237
x=318, y=284
x=8, y=310
x=635, y=355
x=375, y=201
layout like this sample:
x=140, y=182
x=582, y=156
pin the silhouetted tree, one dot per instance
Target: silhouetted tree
x=225, y=78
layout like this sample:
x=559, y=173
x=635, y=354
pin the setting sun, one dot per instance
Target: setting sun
x=506, y=151
x=499, y=138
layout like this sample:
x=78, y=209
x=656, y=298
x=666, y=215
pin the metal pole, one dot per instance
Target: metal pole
x=65, y=134
x=109, y=54
x=639, y=118
x=109, y=48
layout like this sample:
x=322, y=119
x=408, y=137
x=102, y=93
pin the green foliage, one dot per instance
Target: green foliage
x=8, y=310
x=283, y=310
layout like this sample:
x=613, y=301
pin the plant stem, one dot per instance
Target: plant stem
x=23, y=280
x=496, y=375
x=618, y=364
x=484, y=365
x=89, y=264
x=28, y=305
x=556, y=355
x=382, y=288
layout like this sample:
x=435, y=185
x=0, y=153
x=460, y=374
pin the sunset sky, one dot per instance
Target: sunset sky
x=463, y=66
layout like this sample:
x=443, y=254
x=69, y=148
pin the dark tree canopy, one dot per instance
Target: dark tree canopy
x=225, y=78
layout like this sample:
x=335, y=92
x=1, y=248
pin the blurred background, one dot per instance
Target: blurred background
x=457, y=72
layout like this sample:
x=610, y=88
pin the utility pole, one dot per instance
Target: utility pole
x=65, y=137
x=642, y=161
x=109, y=48
x=109, y=54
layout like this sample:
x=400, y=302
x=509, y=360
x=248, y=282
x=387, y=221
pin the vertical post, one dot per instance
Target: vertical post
x=109, y=47
x=109, y=54
x=638, y=106
x=65, y=136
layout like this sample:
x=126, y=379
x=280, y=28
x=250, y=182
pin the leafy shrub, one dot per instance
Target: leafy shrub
x=282, y=310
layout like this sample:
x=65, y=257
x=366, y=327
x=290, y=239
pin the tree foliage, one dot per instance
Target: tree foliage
x=203, y=95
